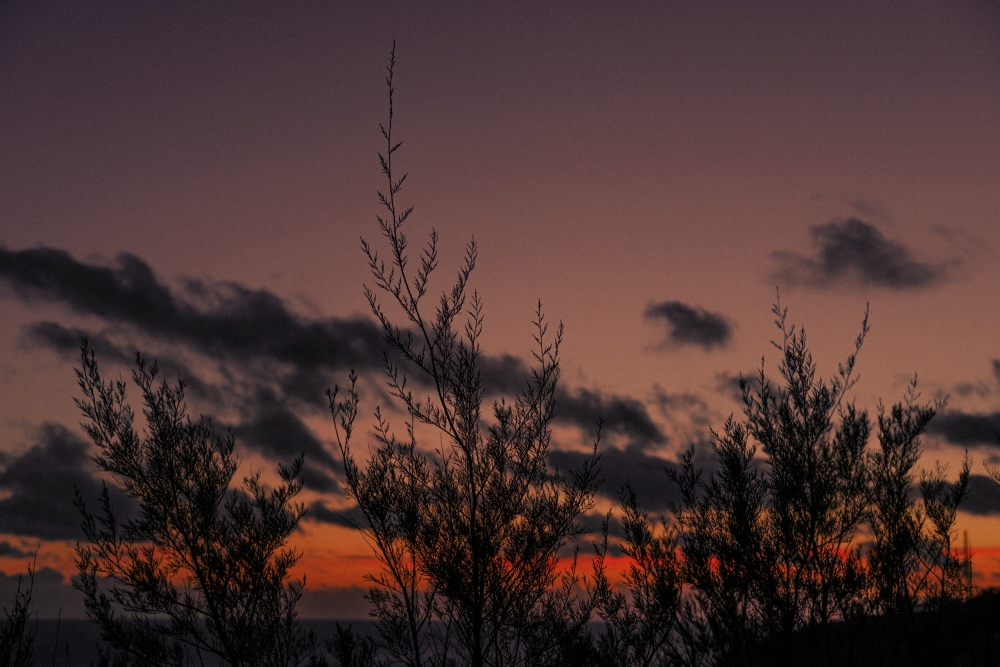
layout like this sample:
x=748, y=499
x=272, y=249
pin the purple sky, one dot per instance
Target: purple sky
x=651, y=172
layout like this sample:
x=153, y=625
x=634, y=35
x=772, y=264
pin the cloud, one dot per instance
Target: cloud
x=40, y=485
x=272, y=363
x=8, y=550
x=982, y=388
x=52, y=596
x=504, y=374
x=348, y=517
x=582, y=408
x=277, y=432
x=687, y=416
x=983, y=498
x=622, y=415
x=644, y=472
x=852, y=249
x=268, y=424
x=690, y=325
x=66, y=340
x=968, y=430
x=217, y=318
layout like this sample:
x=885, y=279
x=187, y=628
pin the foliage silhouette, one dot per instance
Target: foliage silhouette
x=644, y=624
x=201, y=570
x=808, y=544
x=819, y=553
x=17, y=639
x=350, y=650
x=468, y=535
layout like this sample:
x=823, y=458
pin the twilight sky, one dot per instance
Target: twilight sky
x=191, y=179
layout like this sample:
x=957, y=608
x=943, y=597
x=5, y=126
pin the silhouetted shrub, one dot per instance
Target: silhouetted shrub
x=201, y=570
x=17, y=639
x=468, y=528
x=819, y=552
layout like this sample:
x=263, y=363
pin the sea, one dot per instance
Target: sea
x=74, y=642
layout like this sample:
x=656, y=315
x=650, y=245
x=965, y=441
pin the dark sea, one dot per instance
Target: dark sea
x=73, y=643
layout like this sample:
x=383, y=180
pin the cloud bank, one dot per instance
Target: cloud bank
x=273, y=365
x=220, y=318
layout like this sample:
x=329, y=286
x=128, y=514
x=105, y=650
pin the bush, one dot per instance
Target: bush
x=820, y=552
x=468, y=532
x=201, y=570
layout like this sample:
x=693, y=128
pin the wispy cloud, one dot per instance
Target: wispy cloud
x=731, y=385
x=690, y=325
x=852, y=250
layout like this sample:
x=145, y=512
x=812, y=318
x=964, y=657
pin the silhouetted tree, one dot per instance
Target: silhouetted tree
x=350, y=650
x=17, y=639
x=773, y=546
x=202, y=568
x=914, y=574
x=640, y=622
x=469, y=527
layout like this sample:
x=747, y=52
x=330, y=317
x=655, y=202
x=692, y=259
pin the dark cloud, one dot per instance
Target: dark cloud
x=505, y=374
x=645, y=473
x=52, y=597
x=277, y=432
x=8, y=550
x=583, y=408
x=690, y=325
x=270, y=426
x=350, y=517
x=244, y=331
x=218, y=318
x=622, y=415
x=855, y=250
x=984, y=496
x=40, y=485
x=66, y=341
x=968, y=430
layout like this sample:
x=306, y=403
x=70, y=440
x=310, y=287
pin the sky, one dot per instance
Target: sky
x=192, y=180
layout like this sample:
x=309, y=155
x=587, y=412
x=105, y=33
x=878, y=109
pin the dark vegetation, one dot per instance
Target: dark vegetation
x=17, y=636
x=201, y=572
x=814, y=539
